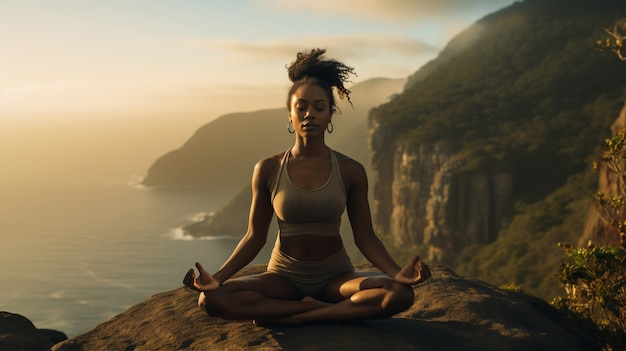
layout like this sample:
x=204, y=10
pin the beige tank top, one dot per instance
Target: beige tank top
x=317, y=211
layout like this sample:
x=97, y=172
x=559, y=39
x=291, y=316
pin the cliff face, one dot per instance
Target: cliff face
x=421, y=199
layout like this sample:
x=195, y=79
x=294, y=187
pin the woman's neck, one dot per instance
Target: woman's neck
x=308, y=147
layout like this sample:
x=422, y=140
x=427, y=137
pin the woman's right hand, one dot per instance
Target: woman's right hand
x=204, y=281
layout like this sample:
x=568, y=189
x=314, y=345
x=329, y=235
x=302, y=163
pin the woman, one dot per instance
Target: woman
x=309, y=277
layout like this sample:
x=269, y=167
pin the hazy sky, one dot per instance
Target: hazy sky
x=68, y=57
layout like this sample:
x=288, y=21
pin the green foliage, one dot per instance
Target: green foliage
x=612, y=207
x=594, y=279
x=524, y=253
x=528, y=97
x=595, y=291
x=615, y=40
x=512, y=287
x=521, y=97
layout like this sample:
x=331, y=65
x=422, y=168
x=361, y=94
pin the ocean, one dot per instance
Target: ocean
x=81, y=240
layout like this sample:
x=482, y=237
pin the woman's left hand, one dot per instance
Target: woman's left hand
x=414, y=272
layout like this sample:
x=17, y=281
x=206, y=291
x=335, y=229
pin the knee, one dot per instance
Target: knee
x=208, y=303
x=202, y=301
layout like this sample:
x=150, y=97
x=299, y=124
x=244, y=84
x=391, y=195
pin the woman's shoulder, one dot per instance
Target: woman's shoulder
x=348, y=164
x=270, y=164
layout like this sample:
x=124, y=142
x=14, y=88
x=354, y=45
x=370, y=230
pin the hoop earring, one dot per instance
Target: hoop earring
x=330, y=127
x=290, y=128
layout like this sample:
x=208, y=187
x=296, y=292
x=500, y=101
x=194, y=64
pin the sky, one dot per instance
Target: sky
x=68, y=59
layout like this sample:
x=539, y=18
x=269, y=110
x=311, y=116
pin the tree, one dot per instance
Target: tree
x=595, y=278
x=615, y=41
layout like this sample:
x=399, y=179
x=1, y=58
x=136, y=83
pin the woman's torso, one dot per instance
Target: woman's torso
x=311, y=181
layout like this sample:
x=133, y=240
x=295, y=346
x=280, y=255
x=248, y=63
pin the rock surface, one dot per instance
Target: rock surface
x=19, y=333
x=450, y=313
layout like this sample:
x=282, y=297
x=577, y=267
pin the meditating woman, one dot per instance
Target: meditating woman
x=309, y=277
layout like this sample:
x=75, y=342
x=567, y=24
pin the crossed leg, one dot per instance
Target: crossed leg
x=355, y=295
x=262, y=296
x=270, y=299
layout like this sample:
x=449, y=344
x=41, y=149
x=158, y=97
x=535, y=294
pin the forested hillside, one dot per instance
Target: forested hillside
x=518, y=115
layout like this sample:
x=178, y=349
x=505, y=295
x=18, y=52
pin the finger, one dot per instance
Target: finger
x=200, y=268
x=189, y=278
x=419, y=263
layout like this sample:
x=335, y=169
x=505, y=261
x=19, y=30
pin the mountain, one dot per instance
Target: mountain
x=223, y=152
x=483, y=160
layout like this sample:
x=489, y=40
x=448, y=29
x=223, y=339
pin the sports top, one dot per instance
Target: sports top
x=317, y=211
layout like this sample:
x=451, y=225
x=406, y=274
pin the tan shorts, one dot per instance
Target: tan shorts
x=310, y=277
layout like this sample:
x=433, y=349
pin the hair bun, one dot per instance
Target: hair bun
x=314, y=65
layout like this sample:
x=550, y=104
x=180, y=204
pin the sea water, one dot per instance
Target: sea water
x=81, y=240
x=74, y=254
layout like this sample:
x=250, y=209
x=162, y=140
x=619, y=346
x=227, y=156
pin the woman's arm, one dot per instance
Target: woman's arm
x=361, y=219
x=261, y=212
x=415, y=271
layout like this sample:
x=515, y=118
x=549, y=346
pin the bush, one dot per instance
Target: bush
x=595, y=278
x=595, y=292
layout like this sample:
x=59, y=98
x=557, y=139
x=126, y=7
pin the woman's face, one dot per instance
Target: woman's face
x=309, y=110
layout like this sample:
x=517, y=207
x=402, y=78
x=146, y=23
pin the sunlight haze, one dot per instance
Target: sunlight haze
x=210, y=57
x=137, y=78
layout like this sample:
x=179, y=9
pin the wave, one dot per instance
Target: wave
x=180, y=234
x=136, y=182
x=198, y=216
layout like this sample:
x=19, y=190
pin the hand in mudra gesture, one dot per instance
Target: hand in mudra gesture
x=415, y=272
x=204, y=281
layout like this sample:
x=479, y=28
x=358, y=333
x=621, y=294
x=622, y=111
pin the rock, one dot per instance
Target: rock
x=19, y=333
x=450, y=313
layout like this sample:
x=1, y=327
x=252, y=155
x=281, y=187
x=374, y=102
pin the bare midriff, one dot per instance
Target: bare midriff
x=310, y=247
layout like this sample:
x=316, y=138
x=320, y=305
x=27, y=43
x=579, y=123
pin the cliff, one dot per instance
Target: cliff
x=450, y=313
x=490, y=128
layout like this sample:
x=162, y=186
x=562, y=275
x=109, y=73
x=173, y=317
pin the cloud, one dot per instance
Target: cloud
x=344, y=47
x=388, y=10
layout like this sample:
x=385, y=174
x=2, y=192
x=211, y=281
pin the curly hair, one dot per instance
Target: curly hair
x=313, y=67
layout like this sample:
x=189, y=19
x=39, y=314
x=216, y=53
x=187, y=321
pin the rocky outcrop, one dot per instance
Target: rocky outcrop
x=597, y=231
x=450, y=313
x=19, y=333
x=231, y=219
